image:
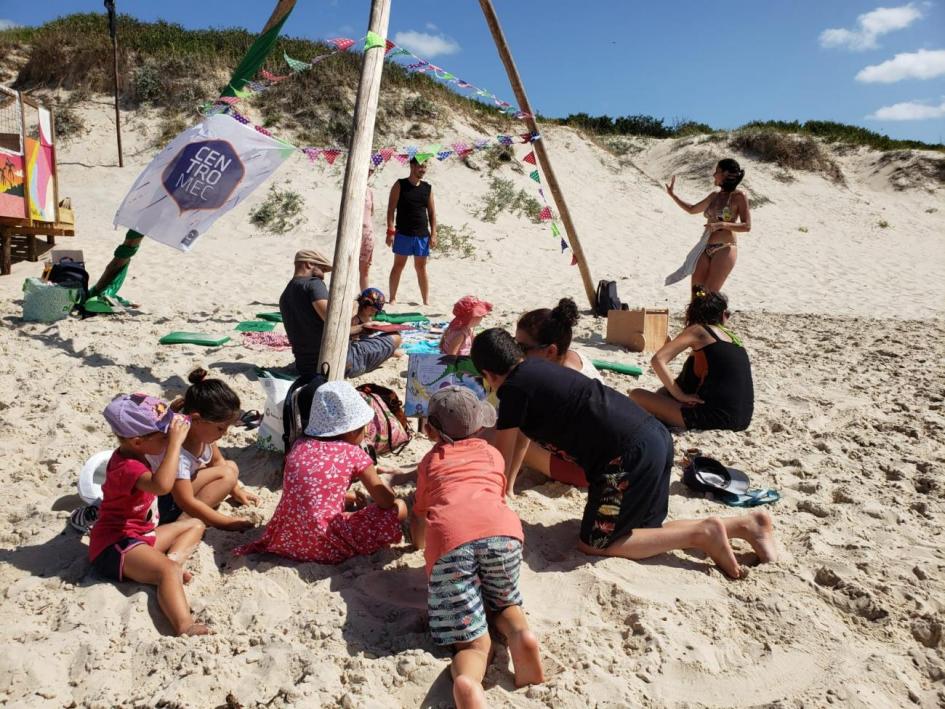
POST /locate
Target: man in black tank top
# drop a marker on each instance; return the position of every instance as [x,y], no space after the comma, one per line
[413,232]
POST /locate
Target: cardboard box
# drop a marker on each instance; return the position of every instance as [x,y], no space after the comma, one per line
[639,330]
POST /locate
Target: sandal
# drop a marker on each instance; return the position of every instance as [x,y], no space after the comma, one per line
[251,419]
[82,519]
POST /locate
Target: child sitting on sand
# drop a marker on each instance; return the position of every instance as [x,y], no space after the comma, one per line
[204,477]
[124,543]
[310,522]
[467,314]
[473,545]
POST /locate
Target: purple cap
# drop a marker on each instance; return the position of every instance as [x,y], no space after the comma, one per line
[132,415]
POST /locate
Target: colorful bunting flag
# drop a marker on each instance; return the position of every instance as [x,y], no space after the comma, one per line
[411,150]
[377,159]
[535,176]
[331,155]
[545,214]
[386,153]
[573,259]
[530,158]
[504,139]
[311,153]
[443,154]
[269,76]
[343,44]
[265,131]
[372,40]
[527,137]
[555,231]
[564,245]
[388,45]
[296,65]
[402,158]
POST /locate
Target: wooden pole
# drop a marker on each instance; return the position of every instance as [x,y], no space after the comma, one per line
[113,30]
[539,147]
[344,278]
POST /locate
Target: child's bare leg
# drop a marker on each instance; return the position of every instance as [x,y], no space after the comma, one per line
[468,668]
[757,529]
[523,646]
[213,484]
[179,540]
[662,406]
[146,564]
[708,535]
[538,459]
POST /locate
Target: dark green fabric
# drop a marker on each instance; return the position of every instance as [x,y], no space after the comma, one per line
[126,251]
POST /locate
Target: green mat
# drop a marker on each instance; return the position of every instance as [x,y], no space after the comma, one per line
[275,374]
[630,369]
[271,317]
[401,318]
[255,326]
[193,338]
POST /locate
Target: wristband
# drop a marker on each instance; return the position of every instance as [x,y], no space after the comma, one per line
[391,232]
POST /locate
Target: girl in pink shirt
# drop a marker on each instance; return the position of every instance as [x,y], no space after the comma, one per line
[467,314]
[472,544]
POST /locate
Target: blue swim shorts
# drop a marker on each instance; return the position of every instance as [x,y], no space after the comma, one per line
[411,245]
[465,581]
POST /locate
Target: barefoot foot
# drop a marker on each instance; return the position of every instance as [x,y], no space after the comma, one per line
[196,629]
[759,532]
[467,693]
[526,658]
[712,538]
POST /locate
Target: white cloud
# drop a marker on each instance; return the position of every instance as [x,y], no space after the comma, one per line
[870,26]
[8,24]
[909,111]
[924,64]
[432,27]
[426,45]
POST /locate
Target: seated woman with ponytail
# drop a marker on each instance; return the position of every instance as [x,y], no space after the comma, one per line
[546,334]
[714,391]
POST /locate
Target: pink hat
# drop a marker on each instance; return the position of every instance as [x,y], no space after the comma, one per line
[469,307]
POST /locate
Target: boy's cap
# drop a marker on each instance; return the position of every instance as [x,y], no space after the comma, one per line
[374,297]
[313,256]
[132,415]
[457,413]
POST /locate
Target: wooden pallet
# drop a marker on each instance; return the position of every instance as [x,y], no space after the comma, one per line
[48,229]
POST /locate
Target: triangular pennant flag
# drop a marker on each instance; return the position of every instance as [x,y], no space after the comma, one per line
[264,131]
[504,139]
[228,100]
[241,93]
[542,193]
[402,158]
[377,159]
[573,259]
[545,213]
[555,231]
[372,40]
[386,153]
[530,158]
[534,175]
[311,153]
[482,143]
[239,117]
[564,245]
[419,66]
[411,150]
[448,76]
[331,155]
[343,44]
[526,137]
[295,64]
[269,76]
[434,148]
[388,45]
[463,84]
[461,149]
[443,154]
[256,86]
[422,157]
[397,51]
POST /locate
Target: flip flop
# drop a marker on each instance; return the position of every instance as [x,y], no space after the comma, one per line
[752,498]
[82,519]
[251,419]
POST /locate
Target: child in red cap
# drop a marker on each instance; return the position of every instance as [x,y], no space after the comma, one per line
[467,314]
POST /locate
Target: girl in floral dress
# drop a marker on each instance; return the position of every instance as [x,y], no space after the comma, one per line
[310,522]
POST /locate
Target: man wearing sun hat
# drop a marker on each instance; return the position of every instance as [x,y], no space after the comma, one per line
[304,307]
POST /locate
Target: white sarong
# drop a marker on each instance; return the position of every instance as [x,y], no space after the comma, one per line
[689,265]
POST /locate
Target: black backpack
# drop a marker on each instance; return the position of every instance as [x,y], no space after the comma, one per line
[607,299]
[71,275]
[298,406]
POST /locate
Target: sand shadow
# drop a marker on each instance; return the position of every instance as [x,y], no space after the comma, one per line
[258,467]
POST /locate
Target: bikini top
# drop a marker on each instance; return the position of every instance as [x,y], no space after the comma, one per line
[714,214]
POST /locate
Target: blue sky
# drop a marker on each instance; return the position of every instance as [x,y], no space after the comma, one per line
[881,66]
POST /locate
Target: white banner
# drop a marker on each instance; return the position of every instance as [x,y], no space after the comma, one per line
[204,172]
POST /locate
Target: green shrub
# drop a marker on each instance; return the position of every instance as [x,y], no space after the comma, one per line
[790,152]
[280,212]
[420,106]
[450,241]
[502,197]
[883,224]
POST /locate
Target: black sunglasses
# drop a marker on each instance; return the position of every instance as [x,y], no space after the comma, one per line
[529,348]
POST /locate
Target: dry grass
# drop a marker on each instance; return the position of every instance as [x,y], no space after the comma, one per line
[788,151]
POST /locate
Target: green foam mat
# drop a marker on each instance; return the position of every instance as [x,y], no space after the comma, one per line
[631,369]
[193,338]
[271,317]
[255,326]
[401,318]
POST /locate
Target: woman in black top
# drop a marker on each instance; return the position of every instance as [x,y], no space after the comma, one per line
[626,454]
[714,391]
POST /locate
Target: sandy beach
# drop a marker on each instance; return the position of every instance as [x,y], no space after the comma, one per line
[842,317]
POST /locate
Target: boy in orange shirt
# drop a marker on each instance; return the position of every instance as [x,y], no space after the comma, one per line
[472,544]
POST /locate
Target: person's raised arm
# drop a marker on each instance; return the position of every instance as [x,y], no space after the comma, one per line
[161,480]
[685,206]
[391,209]
[431,213]
[667,353]
[512,444]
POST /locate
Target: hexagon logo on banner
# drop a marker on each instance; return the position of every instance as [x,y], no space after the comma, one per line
[203,175]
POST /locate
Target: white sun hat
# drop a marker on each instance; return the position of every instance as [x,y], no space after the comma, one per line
[92,477]
[337,408]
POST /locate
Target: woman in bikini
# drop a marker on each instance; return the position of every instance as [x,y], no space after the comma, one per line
[714,391]
[725,212]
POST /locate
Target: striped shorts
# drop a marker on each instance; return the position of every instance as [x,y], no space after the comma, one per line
[479,574]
